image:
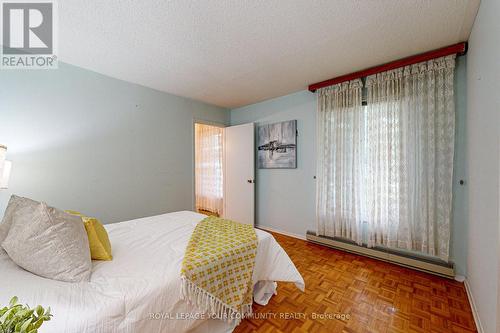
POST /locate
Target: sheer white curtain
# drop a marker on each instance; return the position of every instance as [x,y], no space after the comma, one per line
[411,130]
[208,168]
[339,171]
[400,186]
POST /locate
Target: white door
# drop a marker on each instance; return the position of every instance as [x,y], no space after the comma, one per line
[239,173]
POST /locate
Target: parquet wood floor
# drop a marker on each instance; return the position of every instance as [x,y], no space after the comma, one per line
[374,296]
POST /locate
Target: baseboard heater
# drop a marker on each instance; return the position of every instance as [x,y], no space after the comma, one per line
[424,264]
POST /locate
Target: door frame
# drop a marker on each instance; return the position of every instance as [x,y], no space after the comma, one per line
[193,158]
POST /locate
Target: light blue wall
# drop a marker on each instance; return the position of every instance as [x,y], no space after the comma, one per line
[285,199]
[84,141]
[460,224]
[483,165]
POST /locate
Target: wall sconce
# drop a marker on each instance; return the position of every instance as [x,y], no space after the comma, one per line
[4,180]
[3,152]
[5,168]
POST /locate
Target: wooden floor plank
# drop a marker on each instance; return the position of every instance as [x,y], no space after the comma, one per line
[349,293]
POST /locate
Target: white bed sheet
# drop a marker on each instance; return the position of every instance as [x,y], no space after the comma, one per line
[141,284]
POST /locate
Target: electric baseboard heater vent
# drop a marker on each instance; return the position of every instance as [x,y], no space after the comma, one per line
[424,264]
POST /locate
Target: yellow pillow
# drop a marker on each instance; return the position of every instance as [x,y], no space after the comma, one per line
[100,247]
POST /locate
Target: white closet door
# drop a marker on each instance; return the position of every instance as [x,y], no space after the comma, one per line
[239,173]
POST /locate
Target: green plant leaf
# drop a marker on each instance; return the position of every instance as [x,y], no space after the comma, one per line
[26,324]
[6,315]
[39,310]
[18,318]
[13,301]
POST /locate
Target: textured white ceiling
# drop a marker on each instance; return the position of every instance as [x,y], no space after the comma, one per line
[232,53]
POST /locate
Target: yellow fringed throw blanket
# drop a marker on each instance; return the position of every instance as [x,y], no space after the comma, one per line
[218,266]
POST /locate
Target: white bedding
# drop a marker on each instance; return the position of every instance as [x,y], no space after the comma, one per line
[141,284]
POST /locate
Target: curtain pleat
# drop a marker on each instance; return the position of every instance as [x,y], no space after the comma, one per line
[338,170]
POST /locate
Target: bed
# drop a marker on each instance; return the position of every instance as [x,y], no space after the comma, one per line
[139,291]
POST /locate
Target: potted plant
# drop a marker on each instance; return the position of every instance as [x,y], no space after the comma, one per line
[18,318]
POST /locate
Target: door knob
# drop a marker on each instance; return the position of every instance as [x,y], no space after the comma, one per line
[250,181]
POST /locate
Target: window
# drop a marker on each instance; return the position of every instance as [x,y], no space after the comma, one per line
[385,169]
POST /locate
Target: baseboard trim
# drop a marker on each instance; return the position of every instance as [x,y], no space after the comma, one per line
[286,233]
[384,255]
[473,306]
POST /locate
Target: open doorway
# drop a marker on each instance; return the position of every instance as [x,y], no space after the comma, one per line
[209,175]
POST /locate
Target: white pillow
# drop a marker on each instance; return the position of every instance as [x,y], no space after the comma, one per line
[15,203]
[48,242]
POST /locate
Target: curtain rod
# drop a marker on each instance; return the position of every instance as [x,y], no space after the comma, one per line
[460,49]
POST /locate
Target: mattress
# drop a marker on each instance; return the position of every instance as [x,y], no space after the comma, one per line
[139,291]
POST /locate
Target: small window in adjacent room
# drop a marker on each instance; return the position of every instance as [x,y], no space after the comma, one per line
[208,168]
